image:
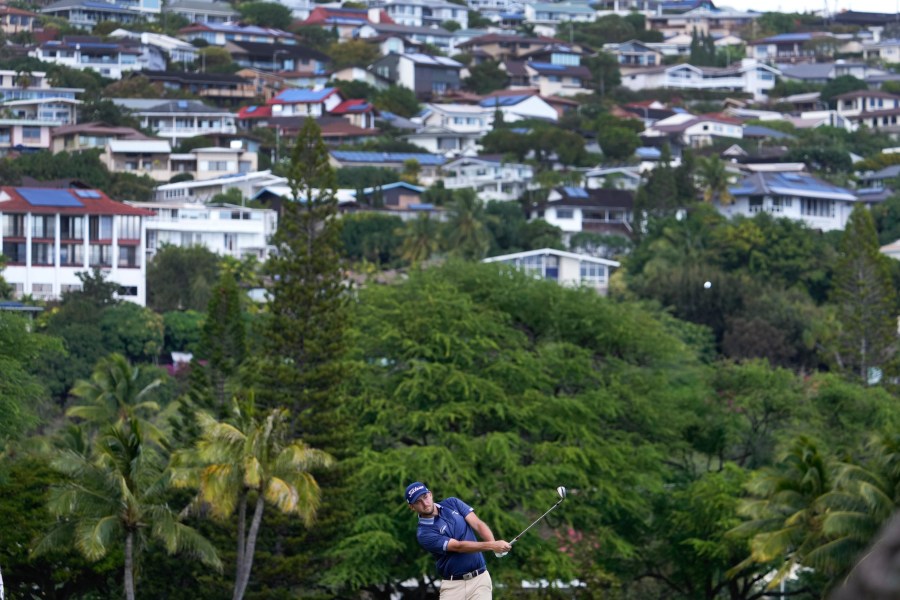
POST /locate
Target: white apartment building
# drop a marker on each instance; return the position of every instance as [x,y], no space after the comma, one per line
[204,190]
[490,177]
[110,59]
[176,120]
[155,159]
[749,76]
[226,229]
[48,236]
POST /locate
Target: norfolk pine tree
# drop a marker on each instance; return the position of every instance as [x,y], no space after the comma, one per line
[304,334]
[865,299]
[223,335]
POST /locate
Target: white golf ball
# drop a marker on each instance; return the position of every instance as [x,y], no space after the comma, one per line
[707,285]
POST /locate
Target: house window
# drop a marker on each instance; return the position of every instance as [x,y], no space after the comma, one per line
[128,256]
[129,228]
[41,254]
[71,255]
[816,207]
[43,226]
[127,290]
[533,265]
[42,288]
[565,213]
[31,134]
[101,227]
[439,87]
[13,225]
[101,255]
[14,252]
[756,204]
[593,273]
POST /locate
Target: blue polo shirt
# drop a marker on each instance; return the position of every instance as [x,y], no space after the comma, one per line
[434,533]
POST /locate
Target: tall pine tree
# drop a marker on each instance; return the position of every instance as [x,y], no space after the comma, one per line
[223,338]
[865,300]
[308,311]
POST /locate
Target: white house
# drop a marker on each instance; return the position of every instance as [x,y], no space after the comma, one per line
[749,76]
[110,59]
[490,177]
[179,119]
[576,210]
[48,236]
[685,129]
[565,268]
[204,190]
[425,13]
[155,159]
[227,230]
[798,196]
[517,105]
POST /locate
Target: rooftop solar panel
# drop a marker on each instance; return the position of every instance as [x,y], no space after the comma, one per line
[49,197]
[575,192]
[87,194]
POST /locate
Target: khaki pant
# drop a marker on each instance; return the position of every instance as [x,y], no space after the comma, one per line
[477,588]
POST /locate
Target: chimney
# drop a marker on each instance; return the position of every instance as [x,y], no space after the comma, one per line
[374,15]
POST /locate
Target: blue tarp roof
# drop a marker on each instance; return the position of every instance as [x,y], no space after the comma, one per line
[648,152]
[303,95]
[422,158]
[504,100]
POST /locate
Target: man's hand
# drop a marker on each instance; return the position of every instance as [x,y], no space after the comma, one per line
[500,546]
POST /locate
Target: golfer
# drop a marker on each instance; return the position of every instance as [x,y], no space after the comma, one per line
[447,529]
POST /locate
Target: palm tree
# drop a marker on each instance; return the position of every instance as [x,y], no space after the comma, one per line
[865,497]
[116,495]
[787,510]
[114,394]
[420,240]
[465,234]
[714,179]
[245,463]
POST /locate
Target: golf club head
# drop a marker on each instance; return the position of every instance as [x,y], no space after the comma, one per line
[561,492]
[500,554]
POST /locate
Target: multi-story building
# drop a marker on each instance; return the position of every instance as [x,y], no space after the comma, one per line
[48,236]
[226,229]
[222,89]
[491,177]
[422,13]
[218,34]
[157,48]
[205,190]
[155,159]
[797,196]
[749,76]
[62,110]
[16,20]
[90,136]
[110,59]
[202,11]
[427,76]
[31,85]
[86,14]
[714,22]
[176,120]
[25,135]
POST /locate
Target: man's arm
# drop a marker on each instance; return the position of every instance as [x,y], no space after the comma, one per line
[485,533]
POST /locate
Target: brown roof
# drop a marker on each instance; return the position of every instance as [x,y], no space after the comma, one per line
[867,94]
[101,128]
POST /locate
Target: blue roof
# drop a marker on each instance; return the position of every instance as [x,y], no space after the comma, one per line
[788,37]
[762,131]
[512,16]
[648,152]
[422,158]
[49,197]
[303,95]
[575,192]
[542,66]
[421,207]
[504,100]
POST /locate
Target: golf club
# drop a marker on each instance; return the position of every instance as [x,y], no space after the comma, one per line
[561,492]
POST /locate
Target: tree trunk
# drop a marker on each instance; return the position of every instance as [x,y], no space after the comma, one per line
[241,541]
[129,566]
[249,548]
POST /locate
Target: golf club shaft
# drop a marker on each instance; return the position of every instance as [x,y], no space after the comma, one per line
[536,521]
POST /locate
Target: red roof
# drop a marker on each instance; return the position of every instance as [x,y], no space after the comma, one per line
[255,112]
[77,202]
[353,106]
